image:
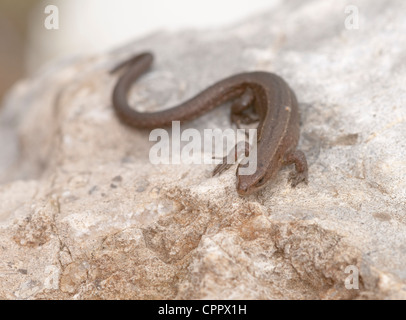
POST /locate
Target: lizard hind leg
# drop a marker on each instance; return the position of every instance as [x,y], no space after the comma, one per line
[240,106]
[238,116]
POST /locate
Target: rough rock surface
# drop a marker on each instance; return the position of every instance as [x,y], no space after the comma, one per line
[85,215]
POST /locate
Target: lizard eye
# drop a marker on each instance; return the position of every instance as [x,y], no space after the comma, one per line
[260,181]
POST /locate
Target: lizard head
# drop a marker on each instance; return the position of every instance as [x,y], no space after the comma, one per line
[249,184]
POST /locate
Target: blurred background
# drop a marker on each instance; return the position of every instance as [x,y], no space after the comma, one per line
[91,26]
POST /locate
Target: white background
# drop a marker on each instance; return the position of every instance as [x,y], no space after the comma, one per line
[91,26]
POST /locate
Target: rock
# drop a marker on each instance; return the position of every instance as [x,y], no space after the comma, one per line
[84,214]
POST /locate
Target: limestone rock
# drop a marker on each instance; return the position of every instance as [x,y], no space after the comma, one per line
[84,214]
